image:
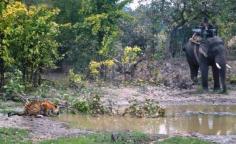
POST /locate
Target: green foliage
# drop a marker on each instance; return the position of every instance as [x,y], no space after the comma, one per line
[3,5]
[130,55]
[13,136]
[96,105]
[29,38]
[92,105]
[81,106]
[43,90]
[97,68]
[94,28]
[14,84]
[148,108]
[75,79]
[94,68]
[183,140]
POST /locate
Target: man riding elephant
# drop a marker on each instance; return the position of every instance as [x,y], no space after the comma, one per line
[206,49]
[207,30]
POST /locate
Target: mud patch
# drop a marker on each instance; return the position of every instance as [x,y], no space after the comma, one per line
[166,96]
[41,128]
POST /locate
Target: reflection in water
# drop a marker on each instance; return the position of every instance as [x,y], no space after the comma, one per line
[210,122]
[162,129]
[204,124]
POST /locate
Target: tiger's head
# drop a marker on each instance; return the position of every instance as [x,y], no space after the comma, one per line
[56,110]
[51,107]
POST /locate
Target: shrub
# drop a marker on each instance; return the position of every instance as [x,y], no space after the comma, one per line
[148,108]
[81,106]
[92,105]
[101,67]
[14,85]
[75,79]
[130,54]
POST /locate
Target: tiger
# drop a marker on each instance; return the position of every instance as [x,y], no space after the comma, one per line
[38,109]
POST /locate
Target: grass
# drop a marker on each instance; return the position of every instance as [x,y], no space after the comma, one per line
[123,138]
[119,138]
[13,136]
[183,140]
[20,136]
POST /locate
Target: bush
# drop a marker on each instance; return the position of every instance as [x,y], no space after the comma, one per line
[92,105]
[75,80]
[148,108]
[100,68]
[81,106]
[43,90]
[96,106]
[14,85]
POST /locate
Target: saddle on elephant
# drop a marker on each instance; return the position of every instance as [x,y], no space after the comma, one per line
[196,39]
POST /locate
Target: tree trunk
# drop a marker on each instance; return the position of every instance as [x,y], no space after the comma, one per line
[167,50]
[2,70]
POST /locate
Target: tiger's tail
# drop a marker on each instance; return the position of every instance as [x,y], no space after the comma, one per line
[15,113]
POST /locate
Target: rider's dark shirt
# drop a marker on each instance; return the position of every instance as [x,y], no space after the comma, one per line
[208,29]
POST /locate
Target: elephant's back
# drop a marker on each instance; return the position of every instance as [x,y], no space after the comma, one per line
[215,40]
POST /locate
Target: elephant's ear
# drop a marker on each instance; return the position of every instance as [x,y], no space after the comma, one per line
[203,49]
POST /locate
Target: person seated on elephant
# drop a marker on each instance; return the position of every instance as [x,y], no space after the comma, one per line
[207,30]
[207,27]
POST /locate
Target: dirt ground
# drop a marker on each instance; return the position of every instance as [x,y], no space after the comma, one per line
[40,128]
[167,96]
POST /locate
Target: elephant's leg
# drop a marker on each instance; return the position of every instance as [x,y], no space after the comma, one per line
[194,73]
[222,78]
[216,75]
[204,74]
[220,60]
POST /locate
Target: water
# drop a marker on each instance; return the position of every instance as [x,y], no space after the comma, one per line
[203,119]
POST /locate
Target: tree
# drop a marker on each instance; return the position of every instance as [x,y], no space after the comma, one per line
[92,31]
[2,66]
[29,39]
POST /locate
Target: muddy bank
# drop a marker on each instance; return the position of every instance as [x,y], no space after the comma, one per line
[166,96]
[41,128]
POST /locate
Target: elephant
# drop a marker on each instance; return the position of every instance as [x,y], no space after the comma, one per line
[210,52]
